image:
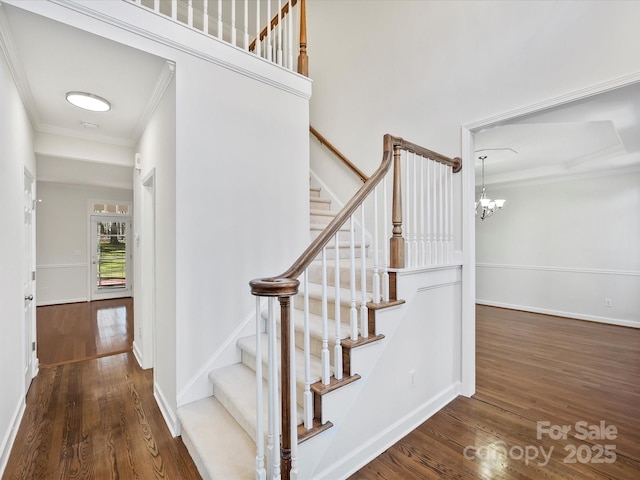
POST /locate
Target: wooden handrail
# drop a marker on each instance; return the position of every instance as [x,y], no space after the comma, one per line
[336,152]
[274,23]
[286,283]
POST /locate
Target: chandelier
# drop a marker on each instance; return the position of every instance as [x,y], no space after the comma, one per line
[485,207]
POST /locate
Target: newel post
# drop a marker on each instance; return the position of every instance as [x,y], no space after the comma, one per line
[285,391]
[396,244]
[284,289]
[303,59]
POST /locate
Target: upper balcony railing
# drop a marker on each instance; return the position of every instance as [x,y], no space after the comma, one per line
[272,29]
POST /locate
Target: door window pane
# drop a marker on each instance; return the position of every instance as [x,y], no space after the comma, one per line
[111,255]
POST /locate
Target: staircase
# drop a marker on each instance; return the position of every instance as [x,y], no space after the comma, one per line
[220,431]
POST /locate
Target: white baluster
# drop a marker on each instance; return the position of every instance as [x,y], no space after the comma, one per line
[279,51]
[364,311]
[414,210]
[353,318]
[406,207]
[441,215]
[190,13]
[290,38]
[269,52]
[434,216]
[258,43]
[293,404]
[233,23]
[156,5]
[376,234]
[421,201]
[450,170]
[308,397]
[245,24]
[220,32]
[385,229]
[174,9]
[445,256]
[326,363]
[337,349]
[205,16]
[261,473]
[427,200]
[272,448]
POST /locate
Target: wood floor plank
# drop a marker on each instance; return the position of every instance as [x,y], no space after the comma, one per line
[531,368]
[96,419]
[81,331]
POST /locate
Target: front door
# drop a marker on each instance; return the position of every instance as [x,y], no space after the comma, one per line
[110,257]
[28,327]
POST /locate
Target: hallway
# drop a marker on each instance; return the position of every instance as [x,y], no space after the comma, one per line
[90,410]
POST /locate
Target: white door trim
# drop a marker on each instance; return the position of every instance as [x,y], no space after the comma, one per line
[468,211]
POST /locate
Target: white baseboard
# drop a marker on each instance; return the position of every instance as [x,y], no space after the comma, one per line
[62,301]
[558,313]
[168,414]
[374,447]
[138,354]
[10,435]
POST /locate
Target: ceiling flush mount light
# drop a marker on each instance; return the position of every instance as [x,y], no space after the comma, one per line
[485,207]
[88,101]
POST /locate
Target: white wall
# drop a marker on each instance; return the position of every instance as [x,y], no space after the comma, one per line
[16,154]
[563,248]
[62,226]
[421,70]
[241,179]
[157,148]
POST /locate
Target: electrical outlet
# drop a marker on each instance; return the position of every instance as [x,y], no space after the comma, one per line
[608,302]
[412,378]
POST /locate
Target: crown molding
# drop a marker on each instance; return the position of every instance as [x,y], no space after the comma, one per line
[164,79]
[8,47]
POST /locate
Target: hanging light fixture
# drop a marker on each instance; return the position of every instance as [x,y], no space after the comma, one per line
[485,207]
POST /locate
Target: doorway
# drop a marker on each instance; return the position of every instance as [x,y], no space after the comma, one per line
[110,257]
[29,277]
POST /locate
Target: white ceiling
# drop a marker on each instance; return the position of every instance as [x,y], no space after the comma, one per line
[49,59]
[588,136]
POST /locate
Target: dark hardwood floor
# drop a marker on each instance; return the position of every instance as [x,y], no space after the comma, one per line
[97,419]
[533,369]
[74,332]
[91,414]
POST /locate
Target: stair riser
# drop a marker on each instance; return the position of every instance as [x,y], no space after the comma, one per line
[250,361]
[343,235]
[321,219]
[315,276]
[314,191]
[345,252]
[317,203]
[315,306]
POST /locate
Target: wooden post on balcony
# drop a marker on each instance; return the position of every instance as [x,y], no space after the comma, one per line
[396,244]
[285,391]
[303,59]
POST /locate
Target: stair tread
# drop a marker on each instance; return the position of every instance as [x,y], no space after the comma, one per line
[235,388]
[218,444]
